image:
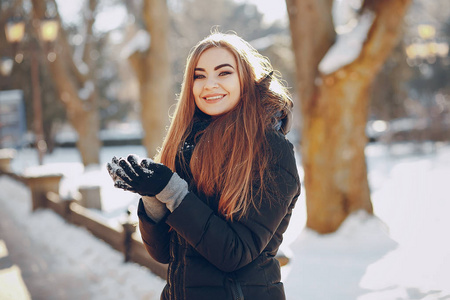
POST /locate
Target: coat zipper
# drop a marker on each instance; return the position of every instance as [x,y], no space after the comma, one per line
[236,290]
[183,267]
[170,271]
[174,267]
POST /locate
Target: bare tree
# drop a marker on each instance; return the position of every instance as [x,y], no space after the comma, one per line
[334,104]
[152,67]
[75,84]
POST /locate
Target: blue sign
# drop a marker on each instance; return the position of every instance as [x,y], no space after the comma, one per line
[12,119]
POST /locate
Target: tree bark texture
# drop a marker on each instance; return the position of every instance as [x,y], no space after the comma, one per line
[153,71]
[81,113]
[334,107]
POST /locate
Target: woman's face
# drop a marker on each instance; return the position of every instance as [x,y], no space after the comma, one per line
[216,88]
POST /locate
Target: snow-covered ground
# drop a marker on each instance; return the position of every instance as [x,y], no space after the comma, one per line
[401,253]
[70,256]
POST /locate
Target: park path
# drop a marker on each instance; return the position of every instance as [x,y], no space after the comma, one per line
[27,269]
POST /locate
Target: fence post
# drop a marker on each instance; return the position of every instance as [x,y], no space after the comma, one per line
[6,155]
[40,185]
[91,196]
[128,229]
[67,210]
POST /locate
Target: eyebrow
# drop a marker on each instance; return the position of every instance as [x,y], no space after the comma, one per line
[216,68]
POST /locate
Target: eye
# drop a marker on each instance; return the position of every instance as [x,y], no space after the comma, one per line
[225,73]
[198,76]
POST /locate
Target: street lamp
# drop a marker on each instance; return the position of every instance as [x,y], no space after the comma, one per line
[428,48]
[426,31]
[15,30]
[48,32]
[6,65]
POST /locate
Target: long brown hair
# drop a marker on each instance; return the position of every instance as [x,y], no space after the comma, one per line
[231,158]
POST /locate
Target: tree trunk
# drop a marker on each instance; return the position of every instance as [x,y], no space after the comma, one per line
[82,113]
[86,123]
[153,70]
[334,108]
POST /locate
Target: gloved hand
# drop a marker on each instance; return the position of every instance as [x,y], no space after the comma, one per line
[149,179]
[146,178]
[113,168]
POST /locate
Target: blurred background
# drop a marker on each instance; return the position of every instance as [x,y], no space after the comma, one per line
[92,74]
[83,80]
[96,40]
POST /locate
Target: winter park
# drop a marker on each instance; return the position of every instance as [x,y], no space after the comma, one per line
[82,82]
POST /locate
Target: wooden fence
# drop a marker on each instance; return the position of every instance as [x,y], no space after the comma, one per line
[45,194]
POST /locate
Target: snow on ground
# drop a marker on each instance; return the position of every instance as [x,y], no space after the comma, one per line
[65,249]
[401,253]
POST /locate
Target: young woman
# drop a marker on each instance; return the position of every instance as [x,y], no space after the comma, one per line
[219,197]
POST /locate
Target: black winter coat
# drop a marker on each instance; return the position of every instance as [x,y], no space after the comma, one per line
[212,258]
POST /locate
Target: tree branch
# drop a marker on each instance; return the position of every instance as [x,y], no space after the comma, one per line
[383,34]
[89,22]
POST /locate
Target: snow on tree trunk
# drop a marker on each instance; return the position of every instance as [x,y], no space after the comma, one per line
[334,107]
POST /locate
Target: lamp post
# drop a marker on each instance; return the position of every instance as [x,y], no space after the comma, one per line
[428,48]
[48,31]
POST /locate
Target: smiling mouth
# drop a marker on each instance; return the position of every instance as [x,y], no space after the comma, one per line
[214,98]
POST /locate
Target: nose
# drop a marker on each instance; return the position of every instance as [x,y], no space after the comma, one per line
[211,83]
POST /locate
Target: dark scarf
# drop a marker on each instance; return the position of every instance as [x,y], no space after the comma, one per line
[201,122]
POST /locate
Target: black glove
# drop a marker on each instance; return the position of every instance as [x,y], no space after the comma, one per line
[146,178]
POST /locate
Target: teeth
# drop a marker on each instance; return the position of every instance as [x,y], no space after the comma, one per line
[213,98]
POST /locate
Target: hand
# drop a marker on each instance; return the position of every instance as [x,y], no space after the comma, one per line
[114,170]
[146,178]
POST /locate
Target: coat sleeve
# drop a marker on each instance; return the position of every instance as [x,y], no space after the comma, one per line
[155,236]
[230,245]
